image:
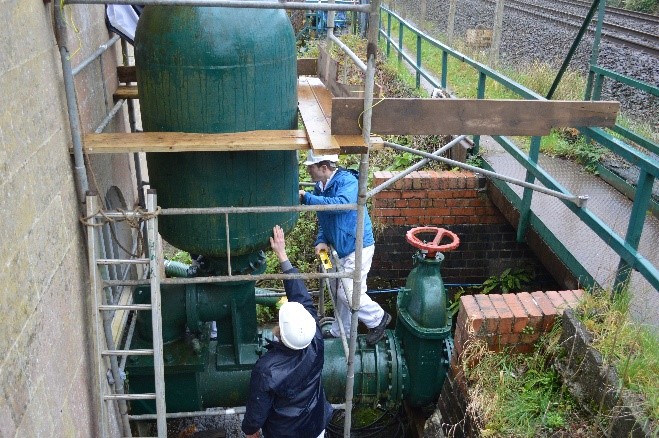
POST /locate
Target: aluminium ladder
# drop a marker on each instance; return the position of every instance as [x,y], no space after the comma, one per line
[104,313]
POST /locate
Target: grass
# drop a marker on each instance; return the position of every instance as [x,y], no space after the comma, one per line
[632,348]
[519,395]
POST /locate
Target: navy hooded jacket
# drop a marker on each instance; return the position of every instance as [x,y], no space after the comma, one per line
[286,395]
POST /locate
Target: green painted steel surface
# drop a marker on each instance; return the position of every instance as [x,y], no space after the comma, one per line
[231,305]
[380,371]
[218,374]
[423,328]
[211,70]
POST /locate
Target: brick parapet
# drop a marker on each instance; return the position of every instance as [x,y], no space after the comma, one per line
[433,198]
[510,321]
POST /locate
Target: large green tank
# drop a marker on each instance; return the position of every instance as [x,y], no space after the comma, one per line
[216,70]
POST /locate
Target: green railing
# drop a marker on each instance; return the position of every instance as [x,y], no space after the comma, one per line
[625,247]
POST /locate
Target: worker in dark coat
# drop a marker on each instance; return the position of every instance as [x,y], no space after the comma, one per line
[286,395]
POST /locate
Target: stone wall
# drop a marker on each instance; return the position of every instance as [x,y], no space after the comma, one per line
[458,202]
[48,377]
[597,386]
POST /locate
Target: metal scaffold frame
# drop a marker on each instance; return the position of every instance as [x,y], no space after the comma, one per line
[105,308]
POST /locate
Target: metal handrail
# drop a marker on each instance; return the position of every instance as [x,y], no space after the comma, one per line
[626,247]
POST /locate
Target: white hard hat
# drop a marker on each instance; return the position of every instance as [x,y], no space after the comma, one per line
[315,159]
[296,325]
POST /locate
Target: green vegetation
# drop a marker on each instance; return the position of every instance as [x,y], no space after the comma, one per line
[645,6]
[513,395]
[180,256]
[510,280]
[265,314]
[633,349]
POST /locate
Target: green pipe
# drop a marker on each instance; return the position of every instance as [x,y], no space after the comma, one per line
[177,269]
[183,270]
[267,300]
[211,377]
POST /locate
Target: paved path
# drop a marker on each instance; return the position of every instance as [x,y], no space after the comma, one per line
[605,202]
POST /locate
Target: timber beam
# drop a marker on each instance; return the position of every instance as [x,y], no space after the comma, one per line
[124,142]
[470,116]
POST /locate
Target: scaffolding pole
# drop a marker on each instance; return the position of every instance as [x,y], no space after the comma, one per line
[369,85]
[579,201]
[156,315]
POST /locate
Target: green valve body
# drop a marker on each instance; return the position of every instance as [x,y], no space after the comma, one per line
[423,328]
[219,70]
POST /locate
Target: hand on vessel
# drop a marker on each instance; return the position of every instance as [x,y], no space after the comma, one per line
[278,244]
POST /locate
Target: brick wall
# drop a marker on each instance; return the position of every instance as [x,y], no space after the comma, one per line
[511,321]
[441,198]
[456,201]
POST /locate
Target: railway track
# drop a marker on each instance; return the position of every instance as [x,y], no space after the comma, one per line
[647,21]
[539,36]
[640,40]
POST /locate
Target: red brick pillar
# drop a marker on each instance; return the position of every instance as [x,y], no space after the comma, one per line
[512,321]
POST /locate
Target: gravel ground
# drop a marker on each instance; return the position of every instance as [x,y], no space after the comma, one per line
[526,40]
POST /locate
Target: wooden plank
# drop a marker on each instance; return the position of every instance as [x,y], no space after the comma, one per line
[315,122]
[125,92]
[190,142]
[305,67]
[470,116]
[126,73]
[227,142]
[323,97]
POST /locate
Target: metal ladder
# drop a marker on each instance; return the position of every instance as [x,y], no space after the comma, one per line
[105,345]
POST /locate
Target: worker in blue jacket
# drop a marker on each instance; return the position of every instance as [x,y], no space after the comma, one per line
[286,395]
[335,186]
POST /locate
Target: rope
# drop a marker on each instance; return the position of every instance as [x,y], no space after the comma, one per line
[76,32]
[134,220]
[359,118]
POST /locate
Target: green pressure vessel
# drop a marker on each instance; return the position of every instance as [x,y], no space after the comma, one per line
[219,70]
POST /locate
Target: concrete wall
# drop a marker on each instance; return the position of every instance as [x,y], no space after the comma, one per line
[48,382]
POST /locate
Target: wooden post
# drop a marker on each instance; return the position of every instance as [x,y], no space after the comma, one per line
[496,37]
[451,20]
[423,6]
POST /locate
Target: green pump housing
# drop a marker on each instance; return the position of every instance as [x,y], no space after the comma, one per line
[215,70]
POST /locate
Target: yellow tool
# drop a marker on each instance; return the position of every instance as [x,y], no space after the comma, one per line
[325,260]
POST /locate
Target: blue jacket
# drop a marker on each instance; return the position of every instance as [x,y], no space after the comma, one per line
[286,395]
[339,228]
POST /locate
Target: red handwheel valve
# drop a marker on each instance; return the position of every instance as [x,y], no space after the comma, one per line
[433,247]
